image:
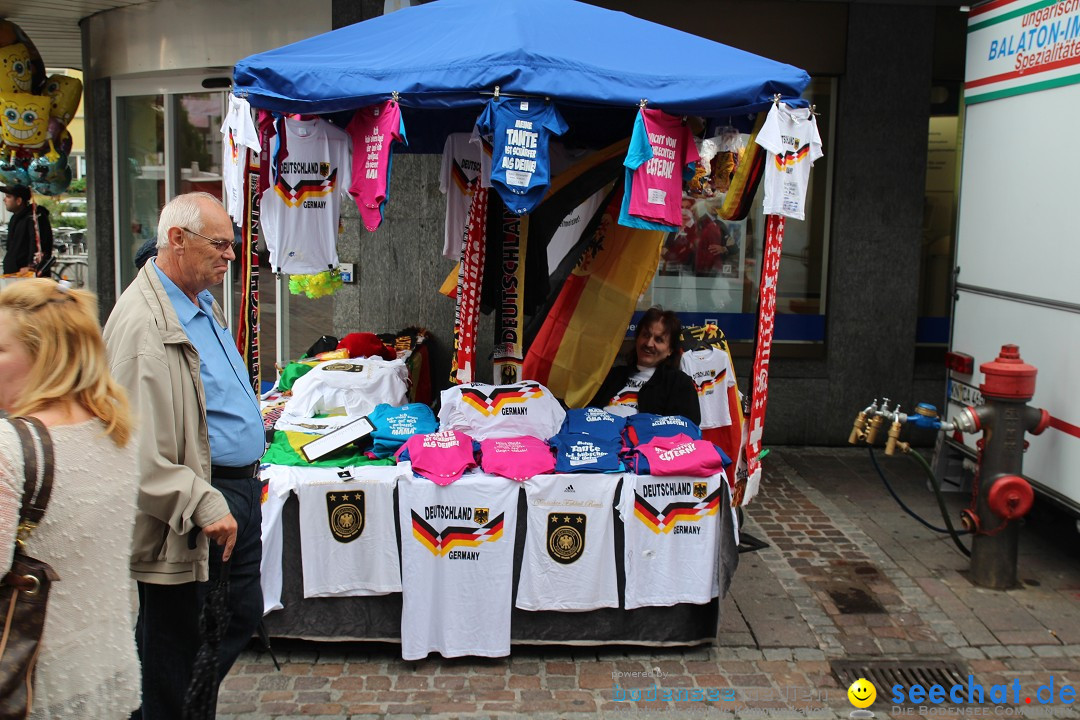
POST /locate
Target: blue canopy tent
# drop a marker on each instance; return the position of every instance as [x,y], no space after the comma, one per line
[447,54]
[444,60]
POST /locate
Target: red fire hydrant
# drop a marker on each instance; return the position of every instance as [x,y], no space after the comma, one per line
[1003,495]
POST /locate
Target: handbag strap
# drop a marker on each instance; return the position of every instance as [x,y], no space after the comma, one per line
[35,496]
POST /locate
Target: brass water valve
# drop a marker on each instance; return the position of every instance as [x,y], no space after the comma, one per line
[858,431]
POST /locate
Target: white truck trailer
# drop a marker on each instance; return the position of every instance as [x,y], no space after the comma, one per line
[1018,236]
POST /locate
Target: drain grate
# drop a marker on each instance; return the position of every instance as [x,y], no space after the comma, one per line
[886,673]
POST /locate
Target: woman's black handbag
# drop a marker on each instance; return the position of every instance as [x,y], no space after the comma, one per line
[24,591]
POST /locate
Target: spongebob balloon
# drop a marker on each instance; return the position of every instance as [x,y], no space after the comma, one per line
[65,93]
[24,119]
[16,72]
[34,114]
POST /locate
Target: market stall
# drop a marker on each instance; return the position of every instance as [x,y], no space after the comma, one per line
[531,71]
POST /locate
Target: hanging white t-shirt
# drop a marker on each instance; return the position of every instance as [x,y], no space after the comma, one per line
[348,540]
[569,561]
[348,387]
[485,147]
[710,369]
[460,167]
[791,137]
[280,484]
[625,402]
[498,411]
[238,134]
[457,563]
[672,530]
[301,208]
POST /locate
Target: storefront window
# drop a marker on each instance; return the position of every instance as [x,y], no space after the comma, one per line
[140,160]
[709,271]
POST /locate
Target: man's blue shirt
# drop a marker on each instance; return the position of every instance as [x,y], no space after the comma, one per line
[233,420]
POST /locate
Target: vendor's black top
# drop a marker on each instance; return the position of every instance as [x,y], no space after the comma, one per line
[669,391]
[21,244]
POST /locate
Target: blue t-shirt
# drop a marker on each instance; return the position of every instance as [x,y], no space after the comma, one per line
[644,427]
[520,130]
[596,423]
[640,152]
[395,425]
[584,453]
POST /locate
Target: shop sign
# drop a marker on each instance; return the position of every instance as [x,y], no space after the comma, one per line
[1021,46]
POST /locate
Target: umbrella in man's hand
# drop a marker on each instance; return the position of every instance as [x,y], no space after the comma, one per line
[200,701]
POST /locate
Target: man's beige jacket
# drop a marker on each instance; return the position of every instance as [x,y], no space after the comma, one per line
[151,356]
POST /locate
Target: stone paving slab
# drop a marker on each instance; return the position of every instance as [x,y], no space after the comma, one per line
[832,529]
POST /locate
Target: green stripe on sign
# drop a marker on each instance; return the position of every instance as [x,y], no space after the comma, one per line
[1022,89]
[1011,14]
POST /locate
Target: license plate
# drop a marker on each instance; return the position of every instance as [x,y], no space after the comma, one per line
[963,394]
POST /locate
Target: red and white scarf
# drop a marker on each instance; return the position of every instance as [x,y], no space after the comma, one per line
[470,276]
[770,274]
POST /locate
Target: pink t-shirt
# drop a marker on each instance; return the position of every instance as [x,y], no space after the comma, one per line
[679,455]
[656,194]
[442,457]
[517,458]
[374,130]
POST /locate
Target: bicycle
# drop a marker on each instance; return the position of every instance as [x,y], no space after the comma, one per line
[70,257]
[74,270]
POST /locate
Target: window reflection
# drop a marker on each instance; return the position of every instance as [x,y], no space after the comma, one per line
[140,152]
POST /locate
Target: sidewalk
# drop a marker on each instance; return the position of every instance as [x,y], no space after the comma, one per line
[846,576]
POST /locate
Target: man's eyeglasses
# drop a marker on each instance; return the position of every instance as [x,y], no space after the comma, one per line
[219,245]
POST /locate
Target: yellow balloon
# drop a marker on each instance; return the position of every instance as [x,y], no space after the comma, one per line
[16,74]
[66,92]
[24,119]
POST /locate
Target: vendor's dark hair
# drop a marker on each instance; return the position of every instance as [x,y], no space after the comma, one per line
[672,326]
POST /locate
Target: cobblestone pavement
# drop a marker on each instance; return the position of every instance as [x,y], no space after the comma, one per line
[846,575]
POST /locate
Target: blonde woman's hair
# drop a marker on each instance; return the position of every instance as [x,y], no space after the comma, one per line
[58,327]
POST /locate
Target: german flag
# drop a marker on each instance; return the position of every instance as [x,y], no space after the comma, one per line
[294,196]
[584,329]
[440,543]
[675,512]
[491,405]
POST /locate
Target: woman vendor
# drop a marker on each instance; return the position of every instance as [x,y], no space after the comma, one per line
[651,380]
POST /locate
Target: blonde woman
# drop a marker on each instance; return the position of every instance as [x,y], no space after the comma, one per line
[53,367]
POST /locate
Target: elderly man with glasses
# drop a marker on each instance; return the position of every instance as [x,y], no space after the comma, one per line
[200,440]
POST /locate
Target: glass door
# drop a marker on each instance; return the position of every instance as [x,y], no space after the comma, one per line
[140,176]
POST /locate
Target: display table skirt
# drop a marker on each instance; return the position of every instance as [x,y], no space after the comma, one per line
[378,618]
